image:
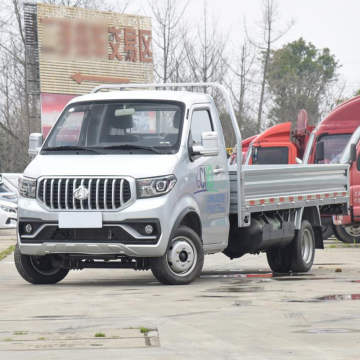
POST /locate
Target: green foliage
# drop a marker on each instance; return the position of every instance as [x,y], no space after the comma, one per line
[143,329]
[298,77]
[100,334]
[8,251]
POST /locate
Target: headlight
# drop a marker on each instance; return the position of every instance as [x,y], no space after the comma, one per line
[27,187]
[8,209]
[152,187]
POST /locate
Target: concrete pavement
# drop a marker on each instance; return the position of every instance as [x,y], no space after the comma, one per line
[236,310]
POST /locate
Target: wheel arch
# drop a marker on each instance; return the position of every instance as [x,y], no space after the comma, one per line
[190,218]
[312,215]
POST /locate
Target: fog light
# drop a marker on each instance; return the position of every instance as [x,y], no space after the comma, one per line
[149,229]
[28,228]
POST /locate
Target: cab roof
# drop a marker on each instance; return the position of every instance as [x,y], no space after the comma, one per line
[189,98]
[344,118]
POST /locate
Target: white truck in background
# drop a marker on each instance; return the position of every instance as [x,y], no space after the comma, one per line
[160,198]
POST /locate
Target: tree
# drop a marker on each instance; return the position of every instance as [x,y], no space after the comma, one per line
[270,16]
[239,81]
[299,76]
[168,30]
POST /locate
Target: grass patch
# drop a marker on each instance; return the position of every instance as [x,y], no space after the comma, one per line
[41,338]
[8,339]
[100,334]
[143,329]
[333,246]
[8,251]
[20,332]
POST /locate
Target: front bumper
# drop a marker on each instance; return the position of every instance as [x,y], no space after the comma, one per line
[120,234]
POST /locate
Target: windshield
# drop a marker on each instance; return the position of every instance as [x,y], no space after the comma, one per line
[117,127]
[355,138]
[270,155]
[333,147]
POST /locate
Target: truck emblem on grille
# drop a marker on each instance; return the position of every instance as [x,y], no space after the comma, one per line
[81,193]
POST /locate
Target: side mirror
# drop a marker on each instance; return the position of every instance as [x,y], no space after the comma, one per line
[353,152]
[35,143]
[209,145]
[320,151]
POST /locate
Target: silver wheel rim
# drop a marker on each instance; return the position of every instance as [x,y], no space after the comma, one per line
[35,261]
[307,246]
[181,256]
[353,230]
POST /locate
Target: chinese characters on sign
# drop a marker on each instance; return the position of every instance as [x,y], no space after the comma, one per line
[131,40]
[88,39]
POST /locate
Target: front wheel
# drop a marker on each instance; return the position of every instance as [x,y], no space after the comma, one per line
[302,248]
[183,261]
[348,233]
[38,269]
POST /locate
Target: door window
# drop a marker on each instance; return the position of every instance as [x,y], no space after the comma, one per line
[201,122]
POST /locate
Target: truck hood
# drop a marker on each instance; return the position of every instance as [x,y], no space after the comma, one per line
[136,166]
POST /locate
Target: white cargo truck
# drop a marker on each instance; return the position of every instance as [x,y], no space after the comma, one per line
[139,179]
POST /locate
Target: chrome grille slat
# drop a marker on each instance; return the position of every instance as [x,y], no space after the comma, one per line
[44,199]
[82,201]
[67,194]
[97,193]
[121,192]
[89,198]
[113,194]
[74,200]
[105,194]
[52,194]
[59,194]
[109,194]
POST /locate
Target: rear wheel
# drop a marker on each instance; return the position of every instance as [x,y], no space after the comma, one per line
[183,261]
[348,234]
[327,232]
[38,269]
[278,260]
[302,249]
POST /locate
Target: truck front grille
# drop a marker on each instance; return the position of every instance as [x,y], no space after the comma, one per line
[103,193]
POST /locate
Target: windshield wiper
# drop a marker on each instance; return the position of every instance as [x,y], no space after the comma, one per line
[133,147]
[70,147]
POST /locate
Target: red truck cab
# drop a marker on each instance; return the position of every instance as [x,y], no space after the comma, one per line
[335,131]
[280,144]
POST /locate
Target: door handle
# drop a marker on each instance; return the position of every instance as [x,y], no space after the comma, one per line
[218,170]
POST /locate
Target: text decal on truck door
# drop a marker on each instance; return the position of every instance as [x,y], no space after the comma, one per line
[205,179]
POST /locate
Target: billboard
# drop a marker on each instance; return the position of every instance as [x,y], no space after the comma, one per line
[76,49]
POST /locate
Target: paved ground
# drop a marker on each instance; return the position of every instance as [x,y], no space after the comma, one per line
[7,238]
[236,310]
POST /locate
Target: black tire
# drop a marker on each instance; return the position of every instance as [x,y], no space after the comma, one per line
[334,229]
[278,260]
[343,235]
[167,268]
[327,232]
[302,262]
[28,271]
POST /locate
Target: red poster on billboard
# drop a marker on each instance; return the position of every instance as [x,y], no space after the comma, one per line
[51,107]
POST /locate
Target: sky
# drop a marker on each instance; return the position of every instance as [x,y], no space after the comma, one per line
[325,23]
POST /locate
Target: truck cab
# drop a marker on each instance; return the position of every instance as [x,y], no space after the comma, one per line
[280,144]
[327,145]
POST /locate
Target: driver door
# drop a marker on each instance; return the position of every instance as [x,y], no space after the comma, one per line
[209,178]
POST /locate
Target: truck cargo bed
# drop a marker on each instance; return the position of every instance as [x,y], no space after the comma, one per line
[271,187]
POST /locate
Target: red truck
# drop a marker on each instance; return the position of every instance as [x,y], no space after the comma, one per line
[335,140]
[280,144]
